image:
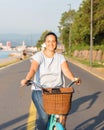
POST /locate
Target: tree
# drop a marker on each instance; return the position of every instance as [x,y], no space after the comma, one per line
[99,21]
[80,27]
[41,40]
[65,26]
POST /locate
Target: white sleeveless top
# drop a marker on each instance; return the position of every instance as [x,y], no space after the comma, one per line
[49,73]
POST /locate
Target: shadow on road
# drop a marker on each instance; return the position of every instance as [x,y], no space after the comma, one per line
[78,102]
[94,123]
[14,121]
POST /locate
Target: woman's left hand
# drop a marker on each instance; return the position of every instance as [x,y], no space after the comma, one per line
[77,80]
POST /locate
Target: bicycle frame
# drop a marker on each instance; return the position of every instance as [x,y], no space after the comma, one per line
[54,123]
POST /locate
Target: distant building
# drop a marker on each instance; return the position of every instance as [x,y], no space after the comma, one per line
[60,48]
[32,49]
[22,47]
[6,47]
[8,44]
[1,45]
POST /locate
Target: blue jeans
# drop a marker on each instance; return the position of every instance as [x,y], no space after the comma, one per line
[42,120]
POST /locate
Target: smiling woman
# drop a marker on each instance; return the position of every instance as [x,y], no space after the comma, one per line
[48,69]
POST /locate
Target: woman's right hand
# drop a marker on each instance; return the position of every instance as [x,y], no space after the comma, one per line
[23,82]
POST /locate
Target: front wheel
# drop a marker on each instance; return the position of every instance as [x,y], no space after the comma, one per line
[58,126]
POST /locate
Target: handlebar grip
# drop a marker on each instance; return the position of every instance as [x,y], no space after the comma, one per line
[74,81]
[29,82]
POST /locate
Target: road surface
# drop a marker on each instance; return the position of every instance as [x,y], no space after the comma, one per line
[87,111]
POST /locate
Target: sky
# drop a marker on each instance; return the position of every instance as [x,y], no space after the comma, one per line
[33,16]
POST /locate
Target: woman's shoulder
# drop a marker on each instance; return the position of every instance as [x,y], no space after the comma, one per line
[60,57]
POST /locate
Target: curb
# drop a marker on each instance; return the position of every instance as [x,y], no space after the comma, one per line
[91,70]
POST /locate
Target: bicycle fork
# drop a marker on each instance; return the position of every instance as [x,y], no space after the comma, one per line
[54,123]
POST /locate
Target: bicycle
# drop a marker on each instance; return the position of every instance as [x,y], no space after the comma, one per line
[54,123]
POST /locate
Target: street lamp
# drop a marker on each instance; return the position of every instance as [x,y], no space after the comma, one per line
[91,33]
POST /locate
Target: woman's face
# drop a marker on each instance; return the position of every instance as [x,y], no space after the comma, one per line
[50,42]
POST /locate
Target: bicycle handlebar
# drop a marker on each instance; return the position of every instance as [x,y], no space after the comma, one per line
[30,82]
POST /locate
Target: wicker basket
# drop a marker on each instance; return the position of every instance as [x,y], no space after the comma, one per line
[57,101]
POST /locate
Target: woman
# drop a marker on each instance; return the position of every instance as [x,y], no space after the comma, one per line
[48,68]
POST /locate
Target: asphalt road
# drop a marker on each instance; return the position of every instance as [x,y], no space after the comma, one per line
[14,101]
[87,111]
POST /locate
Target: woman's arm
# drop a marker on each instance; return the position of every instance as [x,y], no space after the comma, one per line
[66,70]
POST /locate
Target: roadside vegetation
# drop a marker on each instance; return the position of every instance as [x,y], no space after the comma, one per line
[86,62]
[9,63]
[74,29]
[75,25]
[15,60]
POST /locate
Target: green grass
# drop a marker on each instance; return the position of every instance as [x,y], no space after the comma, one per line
[87,62]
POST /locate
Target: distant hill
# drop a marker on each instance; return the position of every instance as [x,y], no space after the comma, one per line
[17,39]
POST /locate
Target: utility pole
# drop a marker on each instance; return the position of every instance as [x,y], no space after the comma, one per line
[91,33]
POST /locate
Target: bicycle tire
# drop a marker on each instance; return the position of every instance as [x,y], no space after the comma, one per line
[58,126]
